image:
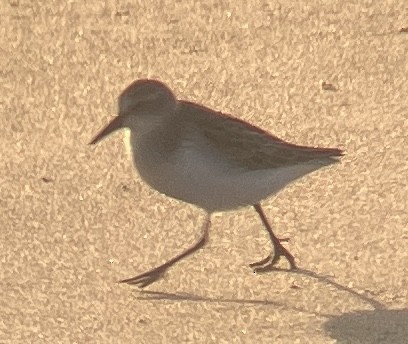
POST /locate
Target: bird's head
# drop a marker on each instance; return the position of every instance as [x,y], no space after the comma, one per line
[143,105]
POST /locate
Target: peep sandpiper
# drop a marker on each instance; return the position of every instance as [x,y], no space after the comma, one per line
[207,158]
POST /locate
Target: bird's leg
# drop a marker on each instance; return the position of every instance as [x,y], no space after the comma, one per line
[279,250]
[155,274]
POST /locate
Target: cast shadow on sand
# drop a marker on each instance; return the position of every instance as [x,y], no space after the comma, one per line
[379,325]
[369,327]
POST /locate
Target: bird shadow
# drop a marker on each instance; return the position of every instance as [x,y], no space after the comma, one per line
[328,280]
[157,295]
[164,296]
[379,325]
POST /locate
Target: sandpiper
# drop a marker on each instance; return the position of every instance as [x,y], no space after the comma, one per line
[209,159]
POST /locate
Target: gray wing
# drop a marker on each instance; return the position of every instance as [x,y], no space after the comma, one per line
[249,146]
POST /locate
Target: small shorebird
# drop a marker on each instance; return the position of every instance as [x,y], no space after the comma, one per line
[207,158]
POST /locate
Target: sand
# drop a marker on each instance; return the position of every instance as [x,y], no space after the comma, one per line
[76,218]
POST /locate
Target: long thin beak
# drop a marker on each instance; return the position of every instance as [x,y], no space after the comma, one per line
[115,124]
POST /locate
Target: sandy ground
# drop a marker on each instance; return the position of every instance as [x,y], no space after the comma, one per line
[76,218]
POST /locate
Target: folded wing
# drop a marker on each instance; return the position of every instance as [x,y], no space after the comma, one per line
[249,146]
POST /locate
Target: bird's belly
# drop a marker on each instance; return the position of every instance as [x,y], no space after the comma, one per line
[207,179]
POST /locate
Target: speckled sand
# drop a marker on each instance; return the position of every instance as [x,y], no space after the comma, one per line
[76,218]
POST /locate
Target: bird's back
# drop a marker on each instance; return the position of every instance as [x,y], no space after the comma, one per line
[249,146]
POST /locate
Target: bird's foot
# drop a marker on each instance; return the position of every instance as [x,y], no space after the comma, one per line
[147,278]
[261,262]
[269,262]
